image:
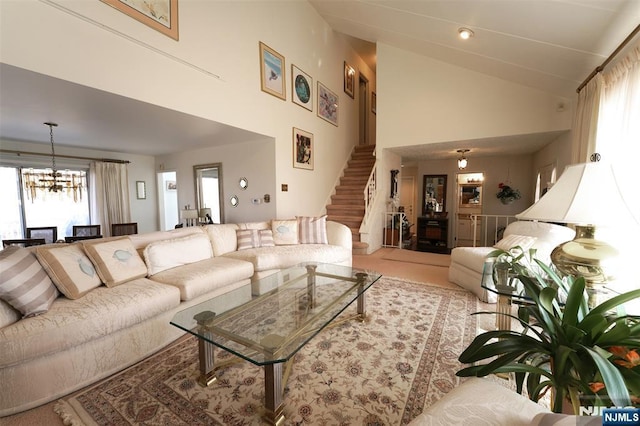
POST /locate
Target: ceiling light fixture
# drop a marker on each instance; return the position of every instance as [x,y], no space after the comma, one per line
[462,161]
[54,181]
[465,33]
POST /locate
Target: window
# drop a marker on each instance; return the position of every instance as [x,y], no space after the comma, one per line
[45,209]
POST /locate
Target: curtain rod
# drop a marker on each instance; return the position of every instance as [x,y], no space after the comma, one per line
[606,62]
[75,157]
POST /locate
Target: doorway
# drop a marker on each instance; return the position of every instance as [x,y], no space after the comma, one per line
[168,200]
[363,116]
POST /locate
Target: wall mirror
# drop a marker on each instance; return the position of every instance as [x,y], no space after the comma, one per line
[234,201]
[434,195]
[244,183]
[470,195]
[208,180]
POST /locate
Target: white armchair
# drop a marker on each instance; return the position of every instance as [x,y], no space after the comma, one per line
[467,263]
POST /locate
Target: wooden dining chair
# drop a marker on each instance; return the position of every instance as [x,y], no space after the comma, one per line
[49,233]
[23,242]
[86,230]
[124,229]
[75,238]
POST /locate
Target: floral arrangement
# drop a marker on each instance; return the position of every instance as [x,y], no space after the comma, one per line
[507,194]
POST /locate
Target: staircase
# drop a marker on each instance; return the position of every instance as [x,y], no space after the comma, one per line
[347,205]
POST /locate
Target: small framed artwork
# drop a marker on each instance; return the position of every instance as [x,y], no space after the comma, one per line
[327,104]
[171,185]
[301,88]
[349,79]
[141,190]
[374,102]
[303,154]
[272,72]
[161,15]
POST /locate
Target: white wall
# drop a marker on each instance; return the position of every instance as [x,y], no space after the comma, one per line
[106,49]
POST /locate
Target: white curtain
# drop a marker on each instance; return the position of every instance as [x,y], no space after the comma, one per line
[618,136]
[585,122]
[109,194]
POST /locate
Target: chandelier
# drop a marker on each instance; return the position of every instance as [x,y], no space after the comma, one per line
[46,181]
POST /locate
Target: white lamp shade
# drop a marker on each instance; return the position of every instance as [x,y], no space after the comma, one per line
[585,194]
[189,214]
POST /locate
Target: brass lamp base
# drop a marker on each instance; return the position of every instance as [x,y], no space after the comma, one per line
[586,257]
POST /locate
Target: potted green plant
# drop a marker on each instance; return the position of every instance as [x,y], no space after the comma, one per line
[577,352]
[507,194]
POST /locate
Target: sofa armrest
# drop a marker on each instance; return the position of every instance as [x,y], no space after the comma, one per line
[339,235]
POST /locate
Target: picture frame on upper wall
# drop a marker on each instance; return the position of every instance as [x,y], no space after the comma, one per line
[349,80]
[303,153]
[301,88]
[327,104]
[374,102]
[161,15]
[272,72]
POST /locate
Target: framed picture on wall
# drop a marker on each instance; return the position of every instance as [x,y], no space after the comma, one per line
[161,15]
[171,185]
[272,72]
[303,154]
[327,104]
[349,79]
[301,88]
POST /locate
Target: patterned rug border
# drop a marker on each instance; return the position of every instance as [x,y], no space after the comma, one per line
[422,393]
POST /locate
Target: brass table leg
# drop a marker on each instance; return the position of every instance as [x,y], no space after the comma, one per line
[273,394]
[503,308]
[361,308]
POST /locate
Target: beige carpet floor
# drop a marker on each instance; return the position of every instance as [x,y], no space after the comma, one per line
[411,256]
[45,416]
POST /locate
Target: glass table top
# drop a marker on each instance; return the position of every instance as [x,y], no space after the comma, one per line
[272,327]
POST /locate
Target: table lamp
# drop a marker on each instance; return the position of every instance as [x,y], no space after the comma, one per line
[586,195]
[189,216]
[205,215]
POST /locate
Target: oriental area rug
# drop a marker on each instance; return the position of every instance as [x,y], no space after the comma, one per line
[383,371]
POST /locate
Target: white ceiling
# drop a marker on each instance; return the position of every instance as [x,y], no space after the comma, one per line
[548,44]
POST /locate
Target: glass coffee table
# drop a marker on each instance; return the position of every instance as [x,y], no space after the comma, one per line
[271,328]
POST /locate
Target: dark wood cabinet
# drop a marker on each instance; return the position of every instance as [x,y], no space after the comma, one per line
[432,234]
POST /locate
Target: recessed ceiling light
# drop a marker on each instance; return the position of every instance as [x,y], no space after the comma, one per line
[465,33]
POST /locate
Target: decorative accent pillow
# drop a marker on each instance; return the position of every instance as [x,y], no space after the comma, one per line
[69,268]
[24,284]
[254,238]
[285,232]
[247,238]
[171,253]
[513,240]
[116,261]
[266,238]
[312,230]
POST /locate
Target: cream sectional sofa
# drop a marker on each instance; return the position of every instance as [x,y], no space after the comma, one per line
[109,301]
[468,263]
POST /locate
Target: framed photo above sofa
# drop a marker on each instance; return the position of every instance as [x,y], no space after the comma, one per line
[301,88]
[272,72]
[349,79]
[303,154]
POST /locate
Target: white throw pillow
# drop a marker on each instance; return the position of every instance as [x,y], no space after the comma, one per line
[116,260]
[285,232]
[174,252]
[69,268]
[513,240]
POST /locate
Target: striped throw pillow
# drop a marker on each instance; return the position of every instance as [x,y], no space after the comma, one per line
[24,284]
[247,238]
[266,238]
[312,230]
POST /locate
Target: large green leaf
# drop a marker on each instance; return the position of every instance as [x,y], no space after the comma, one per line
[612,378]
[573,303]
[612,303]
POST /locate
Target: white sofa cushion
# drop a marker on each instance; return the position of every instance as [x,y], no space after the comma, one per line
[24,284]
[70,323]
[196,279]
[223,238]
[166,254]
[115,260]
[69,268]
[280,257]
[514,240]
[8,314]
[480,402]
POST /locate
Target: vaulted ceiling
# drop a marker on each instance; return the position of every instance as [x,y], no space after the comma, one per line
[551,45]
